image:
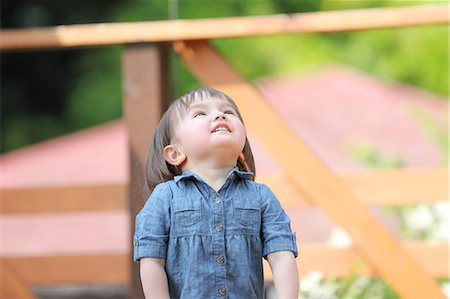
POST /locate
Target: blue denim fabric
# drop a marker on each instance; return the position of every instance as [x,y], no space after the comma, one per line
[213,242]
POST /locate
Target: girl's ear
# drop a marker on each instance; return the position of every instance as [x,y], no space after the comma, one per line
[173,156]
[241,159]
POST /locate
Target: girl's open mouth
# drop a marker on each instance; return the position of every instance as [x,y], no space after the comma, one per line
[221,127]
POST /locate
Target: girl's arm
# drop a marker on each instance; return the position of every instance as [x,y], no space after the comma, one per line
[285,275]
[154,278]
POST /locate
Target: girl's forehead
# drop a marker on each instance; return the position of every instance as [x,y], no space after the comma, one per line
[183,106]
[186,105]
[210,101]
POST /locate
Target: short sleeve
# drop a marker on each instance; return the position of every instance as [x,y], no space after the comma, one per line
[153,224]
[276,233]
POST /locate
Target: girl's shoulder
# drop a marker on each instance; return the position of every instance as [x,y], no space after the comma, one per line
[158,200]
[170,189]
[254,185]
[162,190]
[258,189]
[263,190]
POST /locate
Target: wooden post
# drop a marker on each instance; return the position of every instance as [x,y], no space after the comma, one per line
[310,175]
[146,97]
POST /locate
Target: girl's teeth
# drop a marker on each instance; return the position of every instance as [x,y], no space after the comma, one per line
[220,129]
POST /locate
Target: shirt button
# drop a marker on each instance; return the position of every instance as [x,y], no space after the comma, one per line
[219,228]
[217,199]
[222,291]
[220,260]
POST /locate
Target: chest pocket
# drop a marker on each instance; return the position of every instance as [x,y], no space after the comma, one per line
[187,211]
[246,213]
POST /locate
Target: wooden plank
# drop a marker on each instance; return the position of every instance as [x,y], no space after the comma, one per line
[114,268]
[374,187]
[160,31]
[72,269]
[399,186]
[11,286]
[340,262]
[380,248]
[63,199]
[380,187]
[145,79]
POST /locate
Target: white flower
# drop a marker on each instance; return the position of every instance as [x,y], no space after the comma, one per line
[339,238]
[441,209]
[311,281]
[419,218]
[442,231]
[446,289]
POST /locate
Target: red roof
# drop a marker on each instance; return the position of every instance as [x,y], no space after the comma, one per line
[93,156]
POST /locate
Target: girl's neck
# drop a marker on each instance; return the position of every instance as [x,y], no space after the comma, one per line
[213,176]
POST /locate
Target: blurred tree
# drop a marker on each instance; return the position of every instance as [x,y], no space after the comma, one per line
[36,85]
[290,6]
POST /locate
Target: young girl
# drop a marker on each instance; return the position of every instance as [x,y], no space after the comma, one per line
[207,225]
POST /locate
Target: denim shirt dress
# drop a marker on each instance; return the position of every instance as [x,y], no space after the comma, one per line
[213,242]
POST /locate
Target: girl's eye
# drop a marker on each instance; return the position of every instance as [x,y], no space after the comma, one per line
[229,112]
[199,113]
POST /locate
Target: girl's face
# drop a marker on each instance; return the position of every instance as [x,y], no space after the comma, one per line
[210,130]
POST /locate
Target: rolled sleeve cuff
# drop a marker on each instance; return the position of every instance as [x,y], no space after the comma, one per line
[286,244]
[148,250]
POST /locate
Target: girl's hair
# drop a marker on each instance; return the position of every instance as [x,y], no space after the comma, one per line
[157,169]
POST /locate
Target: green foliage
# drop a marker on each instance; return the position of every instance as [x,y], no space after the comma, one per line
[369,156]
[22,130]
[97,89]
[417,56]
[437,132]
[352,286]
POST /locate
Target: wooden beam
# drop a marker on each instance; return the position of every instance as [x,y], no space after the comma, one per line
[72,269]
[380,187]
[382,250]
[145,79]
[63,199]
[114,268]
[398,186]
[160,31]
[11,286]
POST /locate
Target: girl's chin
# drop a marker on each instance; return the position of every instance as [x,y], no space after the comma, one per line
[227,142]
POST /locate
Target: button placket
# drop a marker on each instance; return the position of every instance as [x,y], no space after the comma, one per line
[218,237]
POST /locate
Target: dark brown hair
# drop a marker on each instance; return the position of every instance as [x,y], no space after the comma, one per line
[157,169]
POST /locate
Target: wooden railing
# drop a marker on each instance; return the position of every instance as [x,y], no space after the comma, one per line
[306,180]
[203,29]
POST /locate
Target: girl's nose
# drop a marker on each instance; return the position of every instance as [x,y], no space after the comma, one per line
[219,115]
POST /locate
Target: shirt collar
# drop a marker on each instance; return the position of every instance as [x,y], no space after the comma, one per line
[234,172]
